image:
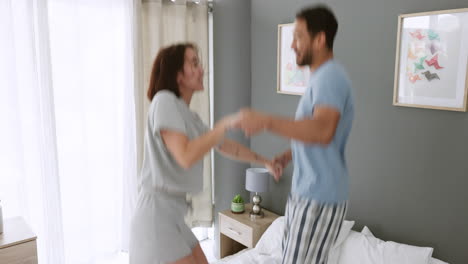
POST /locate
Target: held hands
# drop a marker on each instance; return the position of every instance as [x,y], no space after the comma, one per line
[277,165]
[275,169]
[231,121]
[252,122]
[282,160]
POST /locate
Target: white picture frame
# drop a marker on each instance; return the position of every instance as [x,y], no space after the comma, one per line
[291,79]
[431,65]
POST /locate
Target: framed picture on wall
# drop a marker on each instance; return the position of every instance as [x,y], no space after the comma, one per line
[431,68]
[291,79]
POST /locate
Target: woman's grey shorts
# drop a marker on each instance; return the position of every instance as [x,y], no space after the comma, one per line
[158,231]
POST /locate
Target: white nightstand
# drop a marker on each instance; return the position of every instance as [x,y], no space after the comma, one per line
[17,243]
[237,231]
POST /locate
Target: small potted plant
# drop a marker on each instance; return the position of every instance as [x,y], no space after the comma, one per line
[237,205]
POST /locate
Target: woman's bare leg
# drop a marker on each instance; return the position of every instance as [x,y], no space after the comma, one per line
[200,257]
[190,259]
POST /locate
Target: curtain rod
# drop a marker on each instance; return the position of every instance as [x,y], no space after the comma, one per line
[209,3]
[175,1]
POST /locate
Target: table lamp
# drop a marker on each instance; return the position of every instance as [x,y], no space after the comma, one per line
[257,180]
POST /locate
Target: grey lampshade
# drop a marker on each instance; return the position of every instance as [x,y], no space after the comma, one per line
[257,180]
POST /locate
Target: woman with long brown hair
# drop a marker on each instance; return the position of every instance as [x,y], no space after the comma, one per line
[176,141]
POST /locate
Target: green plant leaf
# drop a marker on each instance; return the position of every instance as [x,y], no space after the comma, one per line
[238,199]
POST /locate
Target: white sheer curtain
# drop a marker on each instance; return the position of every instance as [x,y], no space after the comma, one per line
[29,179]
[166,22]
[67,123]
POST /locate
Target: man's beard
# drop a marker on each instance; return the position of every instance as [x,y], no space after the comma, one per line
[306,59]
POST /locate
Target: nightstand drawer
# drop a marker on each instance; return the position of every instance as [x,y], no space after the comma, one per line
[24,253]
[236,230]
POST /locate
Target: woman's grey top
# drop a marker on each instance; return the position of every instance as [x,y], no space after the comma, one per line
[160,171]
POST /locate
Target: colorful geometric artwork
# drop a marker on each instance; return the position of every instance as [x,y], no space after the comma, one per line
[294,75]
[419,48]
[431,66]
[430,76]
[434,62]
[413,77]
[417,34]
[420,65]
[291,79]
[432,35]
[411,55]
[434,47]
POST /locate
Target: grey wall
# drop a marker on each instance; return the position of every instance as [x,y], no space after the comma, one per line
[408,166]
[231,40]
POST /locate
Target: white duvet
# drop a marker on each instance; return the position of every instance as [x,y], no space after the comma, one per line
[251,256]
[351,248]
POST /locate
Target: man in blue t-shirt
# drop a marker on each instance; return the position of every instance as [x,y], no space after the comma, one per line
[317,204]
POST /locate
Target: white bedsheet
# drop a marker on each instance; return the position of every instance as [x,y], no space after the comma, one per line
[347,250]
[251,256]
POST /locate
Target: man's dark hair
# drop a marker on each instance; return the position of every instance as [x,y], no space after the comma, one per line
[320,18]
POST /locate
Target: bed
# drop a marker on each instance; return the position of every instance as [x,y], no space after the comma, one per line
[351,248]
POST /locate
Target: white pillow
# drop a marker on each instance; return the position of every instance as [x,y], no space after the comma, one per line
[359,249]
[344,232]
[334,255]
[364,248]
[436,261]
[393,247]
[401,253]
[270,242]
[366,231]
